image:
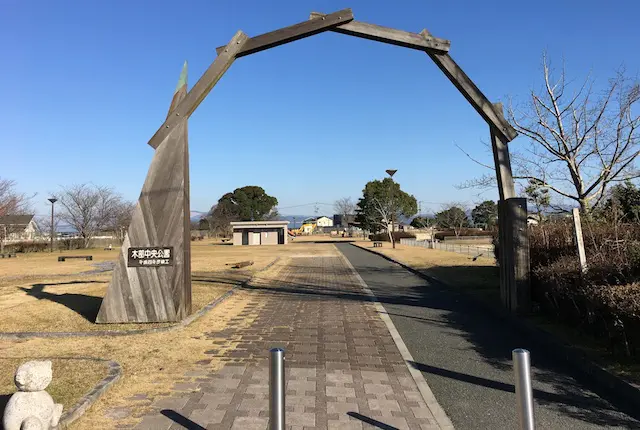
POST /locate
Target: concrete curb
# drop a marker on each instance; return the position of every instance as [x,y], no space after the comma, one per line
[625,392]
[82,405]
[114,333]
[432,403]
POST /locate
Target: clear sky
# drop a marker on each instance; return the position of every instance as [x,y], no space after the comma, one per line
[85,84]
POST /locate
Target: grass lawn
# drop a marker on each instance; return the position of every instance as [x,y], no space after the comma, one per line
[67,301]
[72,378]
[151,362]
[481,279]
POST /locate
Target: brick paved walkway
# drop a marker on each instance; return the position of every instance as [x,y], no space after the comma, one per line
[343,369]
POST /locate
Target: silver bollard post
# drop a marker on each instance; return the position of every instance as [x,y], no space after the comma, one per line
[524,392]
[276,389]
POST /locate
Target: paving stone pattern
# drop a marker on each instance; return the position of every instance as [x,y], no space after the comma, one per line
[343,369]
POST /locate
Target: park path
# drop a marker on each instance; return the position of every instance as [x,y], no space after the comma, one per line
[343,367]
[464,354]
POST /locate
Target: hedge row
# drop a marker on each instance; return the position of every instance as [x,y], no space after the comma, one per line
[397,235]
[604,301]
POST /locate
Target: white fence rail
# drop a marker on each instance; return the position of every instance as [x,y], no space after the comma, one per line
[471,250]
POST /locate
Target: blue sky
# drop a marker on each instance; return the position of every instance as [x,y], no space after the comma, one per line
[87,83]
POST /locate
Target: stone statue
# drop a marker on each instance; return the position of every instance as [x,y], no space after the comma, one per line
[31,407]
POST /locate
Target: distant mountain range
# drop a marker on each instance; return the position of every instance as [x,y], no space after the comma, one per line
[197,215]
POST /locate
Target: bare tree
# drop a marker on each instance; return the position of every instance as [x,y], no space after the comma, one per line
[384,212]
[344,206]
[11,201]
[121,218]
[88,209]
[219,218]
[453,216]
[44,224]
[580,143]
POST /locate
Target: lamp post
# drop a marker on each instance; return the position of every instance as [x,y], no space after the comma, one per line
[392,172]
[53,200]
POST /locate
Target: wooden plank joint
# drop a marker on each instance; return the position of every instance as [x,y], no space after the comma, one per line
[389,35]
[293,32]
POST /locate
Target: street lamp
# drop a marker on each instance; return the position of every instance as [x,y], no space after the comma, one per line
[392,172]
[52,200]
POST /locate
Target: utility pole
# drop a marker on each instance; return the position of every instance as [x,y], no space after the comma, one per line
[392,172]
[53,200]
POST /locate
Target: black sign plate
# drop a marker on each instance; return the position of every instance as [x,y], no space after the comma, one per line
[154,256]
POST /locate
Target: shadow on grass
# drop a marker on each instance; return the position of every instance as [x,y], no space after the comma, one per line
[83,304]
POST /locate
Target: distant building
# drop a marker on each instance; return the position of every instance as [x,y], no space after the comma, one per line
[18,227]
[343,221]
[260,232]
[324,221]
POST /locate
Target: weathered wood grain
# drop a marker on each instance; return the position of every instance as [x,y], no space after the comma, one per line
[201,89]
[502,161]
[293,32]
[161,218]
[389,35]
[515,289]
[472,93]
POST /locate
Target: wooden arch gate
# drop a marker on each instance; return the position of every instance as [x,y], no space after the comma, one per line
[152,278]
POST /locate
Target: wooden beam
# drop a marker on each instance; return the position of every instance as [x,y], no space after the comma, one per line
[294,32]
[472,93]
[502,161]
[201,89]
[390,35]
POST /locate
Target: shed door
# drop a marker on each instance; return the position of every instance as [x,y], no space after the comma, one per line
[256,239]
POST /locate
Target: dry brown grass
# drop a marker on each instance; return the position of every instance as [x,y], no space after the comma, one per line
[479,277]
[151,362]
[33,264]
[71,305]
[321,238]
[72,378]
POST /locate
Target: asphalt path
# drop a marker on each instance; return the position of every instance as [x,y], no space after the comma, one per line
[464,354]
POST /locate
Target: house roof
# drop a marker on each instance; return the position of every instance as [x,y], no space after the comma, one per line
[15,220]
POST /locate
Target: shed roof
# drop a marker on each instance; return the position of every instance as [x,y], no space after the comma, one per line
[254,224]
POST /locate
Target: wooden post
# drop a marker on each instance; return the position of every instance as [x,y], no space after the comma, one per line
[519,236]
[577,234]
[505,251]
[515,290]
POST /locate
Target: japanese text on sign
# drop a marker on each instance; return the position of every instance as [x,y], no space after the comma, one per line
[150,257]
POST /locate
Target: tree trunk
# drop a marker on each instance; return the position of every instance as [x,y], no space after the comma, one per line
[584,207]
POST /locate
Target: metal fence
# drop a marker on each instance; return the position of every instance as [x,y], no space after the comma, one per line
[471,250]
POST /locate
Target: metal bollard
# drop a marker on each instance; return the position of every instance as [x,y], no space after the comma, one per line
[276,389]
[524,392]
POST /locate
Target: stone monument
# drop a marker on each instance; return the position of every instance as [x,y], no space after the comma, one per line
[31,407]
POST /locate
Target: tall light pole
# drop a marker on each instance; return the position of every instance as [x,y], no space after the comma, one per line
[52,200]
[392,172]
